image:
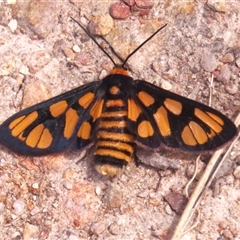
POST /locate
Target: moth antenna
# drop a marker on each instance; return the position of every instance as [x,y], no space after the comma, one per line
[94,40]
[112,49]
[125,61]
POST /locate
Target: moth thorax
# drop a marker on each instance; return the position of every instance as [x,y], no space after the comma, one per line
[108,169]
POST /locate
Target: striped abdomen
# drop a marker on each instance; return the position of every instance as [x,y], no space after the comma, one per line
[114,143]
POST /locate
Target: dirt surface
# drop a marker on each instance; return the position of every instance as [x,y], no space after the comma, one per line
[44,53]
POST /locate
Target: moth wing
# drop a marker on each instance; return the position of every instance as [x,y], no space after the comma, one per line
[157,116]
[53,125]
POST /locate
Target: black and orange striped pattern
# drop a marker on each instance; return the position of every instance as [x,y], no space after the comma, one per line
[115,114]
[115,143]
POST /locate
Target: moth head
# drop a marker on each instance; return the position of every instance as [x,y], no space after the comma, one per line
[119,70]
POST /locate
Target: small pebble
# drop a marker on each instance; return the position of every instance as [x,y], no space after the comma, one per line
[232,89]
[218,6]
[208,62]
[73,237]
[143,194]
[177,201]
[144,3]
[36,60]
[35,185]
[227,234]
[13,24]
[69,53]
[119,11]
[98,227]
[30,232]
[24,70]
[236,172]
[129,2]
[238,62]
[7,68]
[224,74]
[223,224]
[68,185]
[113,197]
[35,210]
[20,77]
[2,163]
[2,206]
[76,48]
[227,58]
[98,191]
[11,1]
[19,207]
[168,210]
[114,229]
[101,25]
[166,85]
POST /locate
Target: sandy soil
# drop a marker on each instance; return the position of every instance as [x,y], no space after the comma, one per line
[44,53]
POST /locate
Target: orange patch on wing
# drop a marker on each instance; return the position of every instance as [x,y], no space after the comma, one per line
[209,120]
[216,118]
[133,110]
[145,98]
[70,122]
[114,90]
[45,140]
[86,99]
[20,136]
[198,132]
[113,153]
[115,136]
[96,110]
[211,134]
[161,119]
[145,129]
[187,137]
[23,123]
[34,136]
[16,121]
[58,108]
[84,131]
[115,103]
[173,106]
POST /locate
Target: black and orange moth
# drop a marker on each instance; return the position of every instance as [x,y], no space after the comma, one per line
[115,114]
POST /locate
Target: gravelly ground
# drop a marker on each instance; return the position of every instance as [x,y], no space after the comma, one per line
[53,197]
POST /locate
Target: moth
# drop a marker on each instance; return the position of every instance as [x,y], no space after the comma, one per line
[116,114]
